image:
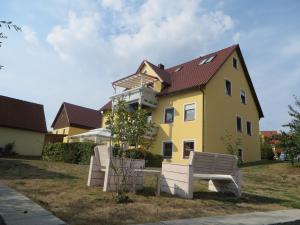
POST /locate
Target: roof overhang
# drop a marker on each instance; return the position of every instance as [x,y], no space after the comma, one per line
[134,80]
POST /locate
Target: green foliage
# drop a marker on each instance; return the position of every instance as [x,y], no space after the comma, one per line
[128,128]
[8,150]
[232,145]
[290,141]
[78,153]
[266,151]
[151,160]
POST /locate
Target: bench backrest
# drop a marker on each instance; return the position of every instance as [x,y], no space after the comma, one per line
[213,163]
[102,154]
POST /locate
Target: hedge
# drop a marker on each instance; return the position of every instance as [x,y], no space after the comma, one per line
[151,160]
[78,153]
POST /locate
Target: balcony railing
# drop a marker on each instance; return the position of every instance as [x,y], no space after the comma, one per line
[141,95]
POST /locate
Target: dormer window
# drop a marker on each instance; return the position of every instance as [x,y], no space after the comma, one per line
[207,60]
[178,69]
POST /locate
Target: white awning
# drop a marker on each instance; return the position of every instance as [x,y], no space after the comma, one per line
[102,133]
[133,81]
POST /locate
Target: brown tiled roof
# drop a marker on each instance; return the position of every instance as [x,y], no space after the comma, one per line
[107,106]
[269,133]
[163,74]
[15,113]
[79,116]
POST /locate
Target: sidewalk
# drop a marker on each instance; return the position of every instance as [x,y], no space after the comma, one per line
[16,209]
[287,217]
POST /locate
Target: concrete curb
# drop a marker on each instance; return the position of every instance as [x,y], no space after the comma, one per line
[280,217]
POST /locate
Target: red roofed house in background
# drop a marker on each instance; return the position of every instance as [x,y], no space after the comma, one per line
[22,123]
[266,135]
[196,104]
[74,119]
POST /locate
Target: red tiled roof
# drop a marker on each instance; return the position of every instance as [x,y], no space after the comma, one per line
[15,113]
[269,133]
[192,75]
[163,74]
[79,116]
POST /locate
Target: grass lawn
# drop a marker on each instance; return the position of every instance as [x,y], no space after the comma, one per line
[61,188]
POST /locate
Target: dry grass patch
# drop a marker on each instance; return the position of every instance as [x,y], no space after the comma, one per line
[61,188]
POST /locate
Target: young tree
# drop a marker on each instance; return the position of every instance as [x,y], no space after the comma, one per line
[291,141]
[232,145]
[9,25]
[128,128]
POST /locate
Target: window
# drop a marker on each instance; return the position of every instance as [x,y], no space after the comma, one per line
[249,128]
[149,118]
[188,146]
[169,115]
[167,150]
[234,62]
[178,69]
[243,97]
[240,154]
[189,112]
[207,60]
[239,124]
[228,87]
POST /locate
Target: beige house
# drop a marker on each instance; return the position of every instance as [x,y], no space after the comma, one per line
[22,123]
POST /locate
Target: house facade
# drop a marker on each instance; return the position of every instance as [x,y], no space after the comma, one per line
[201,105]
[22,123]
[74,119]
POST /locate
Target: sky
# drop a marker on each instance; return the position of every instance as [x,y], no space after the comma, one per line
[71,50]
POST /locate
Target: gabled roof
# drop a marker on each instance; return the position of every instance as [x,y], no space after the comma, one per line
[79,116]
[163,74]
[19,114]
[107,106]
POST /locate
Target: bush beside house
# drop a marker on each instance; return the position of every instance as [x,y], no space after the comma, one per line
[78,153]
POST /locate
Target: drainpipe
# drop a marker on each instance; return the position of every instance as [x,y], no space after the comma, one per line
[203,111]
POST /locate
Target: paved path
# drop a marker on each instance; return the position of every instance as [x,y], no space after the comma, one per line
[287,217]
[16,209]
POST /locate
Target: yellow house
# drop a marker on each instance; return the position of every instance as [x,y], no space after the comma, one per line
[200,105]
[22,123]
[74,119]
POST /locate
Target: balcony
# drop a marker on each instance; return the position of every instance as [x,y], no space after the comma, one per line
[136,90]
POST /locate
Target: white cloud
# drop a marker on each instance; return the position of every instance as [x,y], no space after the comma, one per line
[113,4]
[292,47]
[29,35]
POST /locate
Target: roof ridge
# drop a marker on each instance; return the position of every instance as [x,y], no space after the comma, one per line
[215,52]
[79,106]
[17,99]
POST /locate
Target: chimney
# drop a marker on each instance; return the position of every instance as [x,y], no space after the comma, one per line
[161,66]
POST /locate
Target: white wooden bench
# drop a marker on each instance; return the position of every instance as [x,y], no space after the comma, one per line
[220,170]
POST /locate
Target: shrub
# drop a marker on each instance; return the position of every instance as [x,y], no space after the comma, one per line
[266,151]
[151,160]
[8,150]
[78,153]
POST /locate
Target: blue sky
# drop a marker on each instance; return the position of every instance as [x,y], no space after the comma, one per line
[71,50]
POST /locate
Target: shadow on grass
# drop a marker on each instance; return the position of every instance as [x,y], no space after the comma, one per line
[17,169]
[261,162]
[245,198]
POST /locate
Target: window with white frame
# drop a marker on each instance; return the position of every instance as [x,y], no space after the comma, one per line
[228,87]
[243,97]
[188,146]
[169,115]
[167,149]
[249,128]
[239,127]
[189,112]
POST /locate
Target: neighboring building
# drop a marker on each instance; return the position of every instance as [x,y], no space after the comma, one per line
[266,137]
[22,123]
[74,119]
[196,103]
